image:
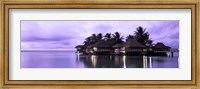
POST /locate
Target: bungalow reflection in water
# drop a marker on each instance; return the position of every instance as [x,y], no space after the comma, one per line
[117,61]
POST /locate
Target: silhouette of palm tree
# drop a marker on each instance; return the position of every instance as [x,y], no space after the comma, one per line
[99,37]
[142,36]
[117,38]
[93,39]
[108,37]
[129,37]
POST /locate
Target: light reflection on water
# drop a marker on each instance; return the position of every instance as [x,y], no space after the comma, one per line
[68,59]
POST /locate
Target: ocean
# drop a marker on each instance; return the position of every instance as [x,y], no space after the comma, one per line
[69,59]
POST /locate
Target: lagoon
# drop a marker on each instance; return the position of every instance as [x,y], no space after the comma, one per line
[69,59]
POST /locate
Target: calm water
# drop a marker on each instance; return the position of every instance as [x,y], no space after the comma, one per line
[68,59]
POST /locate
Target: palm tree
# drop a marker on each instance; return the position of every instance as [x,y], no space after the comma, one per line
[93,39]
[107,37]
[88,41]
[129,37]
[99,37]
[142,36]
[117,38]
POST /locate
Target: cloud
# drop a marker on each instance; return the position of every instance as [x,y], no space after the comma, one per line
[42,38]
[68,34]
[174,36]
[100,28]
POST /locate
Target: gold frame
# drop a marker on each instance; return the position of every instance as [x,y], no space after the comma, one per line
[95,84]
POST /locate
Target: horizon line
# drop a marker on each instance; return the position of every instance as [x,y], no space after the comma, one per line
[46,49]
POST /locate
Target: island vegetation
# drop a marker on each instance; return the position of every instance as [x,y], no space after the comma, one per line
[137,43]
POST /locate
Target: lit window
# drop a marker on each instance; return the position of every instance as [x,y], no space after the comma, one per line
[144,49]
[123,51]
[95,48]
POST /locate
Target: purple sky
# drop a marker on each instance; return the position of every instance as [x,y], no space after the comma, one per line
[68,34]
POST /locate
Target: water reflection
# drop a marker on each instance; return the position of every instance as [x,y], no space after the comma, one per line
[116,61]
[124,61]
[68,59]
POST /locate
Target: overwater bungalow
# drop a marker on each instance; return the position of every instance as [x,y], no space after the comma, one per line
[130,47]
[100,47]
[133,47]
[81,49]
[161,49]
[117,48]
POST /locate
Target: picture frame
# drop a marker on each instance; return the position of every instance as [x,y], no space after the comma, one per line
[98,84]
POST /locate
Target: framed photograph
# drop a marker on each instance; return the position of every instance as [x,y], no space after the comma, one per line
[99,44]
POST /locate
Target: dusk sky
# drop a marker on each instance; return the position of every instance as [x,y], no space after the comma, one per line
[68,34]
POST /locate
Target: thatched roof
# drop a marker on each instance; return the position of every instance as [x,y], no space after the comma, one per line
[79,46]
[132,43]
[118,45]
[101,44]
[160,45]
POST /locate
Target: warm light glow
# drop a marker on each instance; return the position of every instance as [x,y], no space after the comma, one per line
[94,60]
[124,61]
[145,62]
[123,51]
[150,63]
[95,48]
[117,50]
[144,49]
